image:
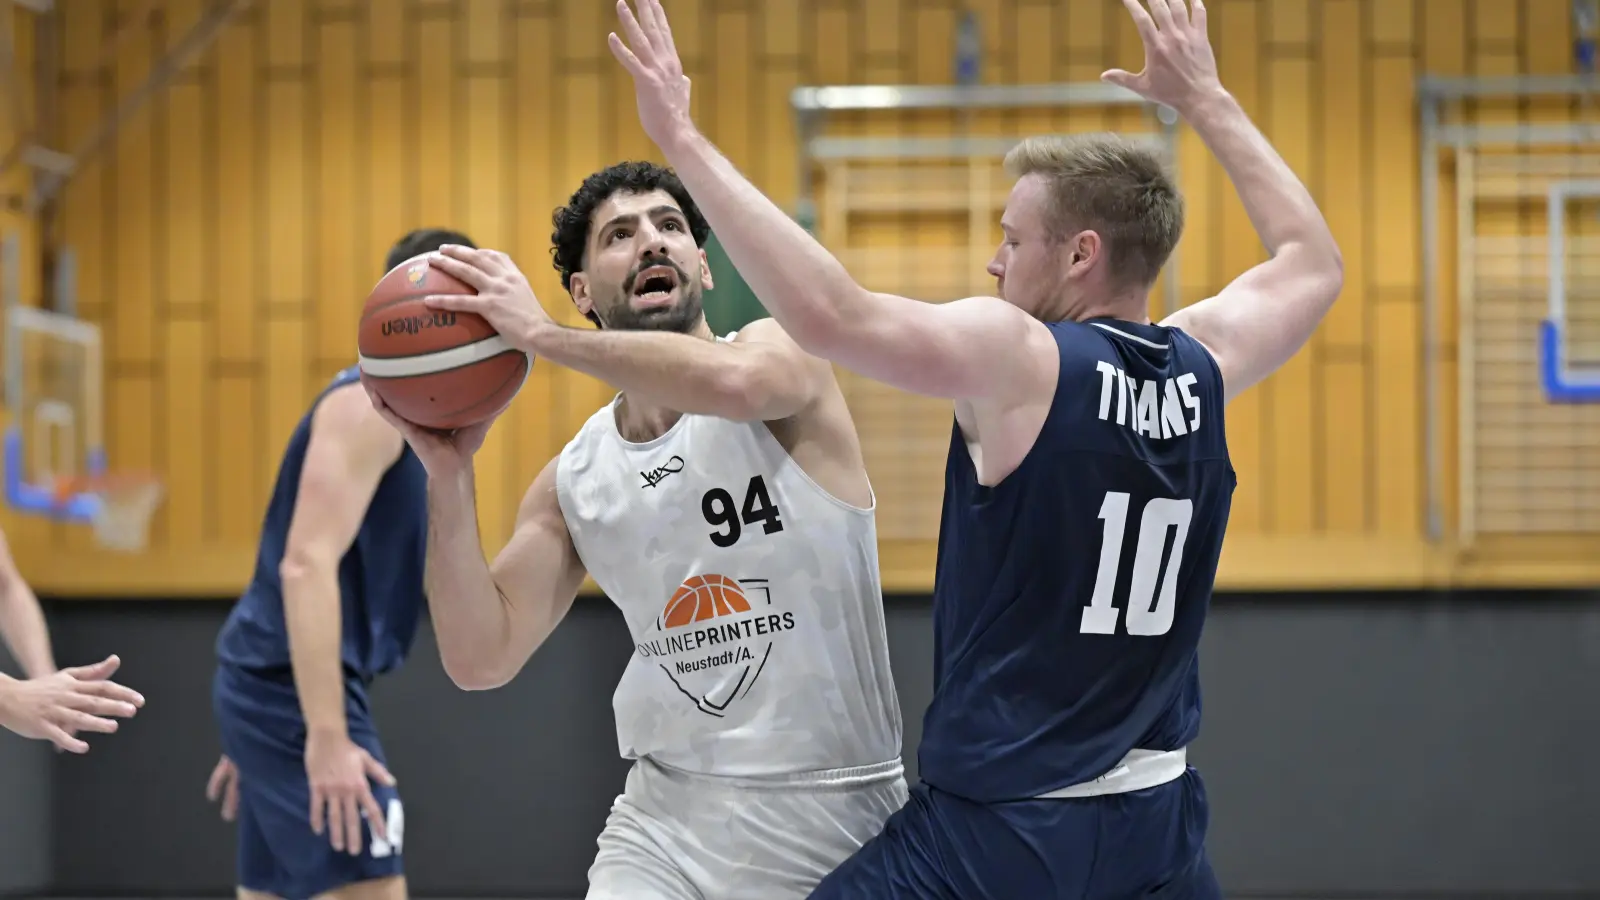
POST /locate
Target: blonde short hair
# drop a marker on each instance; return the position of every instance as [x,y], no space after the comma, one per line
[1113,186]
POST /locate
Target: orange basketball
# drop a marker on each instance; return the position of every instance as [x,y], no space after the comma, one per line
[436,368]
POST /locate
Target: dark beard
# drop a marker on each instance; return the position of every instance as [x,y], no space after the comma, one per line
[681,317]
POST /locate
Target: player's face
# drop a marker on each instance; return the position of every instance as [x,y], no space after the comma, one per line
[643,270]
[1036,270]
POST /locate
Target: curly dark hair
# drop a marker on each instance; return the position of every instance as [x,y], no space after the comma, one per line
[423,240]
[572,222]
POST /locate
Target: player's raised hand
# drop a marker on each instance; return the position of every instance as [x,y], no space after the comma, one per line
[1179,66]
[224,785]
[504,296]
[443,453]
[57,706]
[651,57]
[338,770]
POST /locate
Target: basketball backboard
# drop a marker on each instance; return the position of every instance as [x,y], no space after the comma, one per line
[55,454]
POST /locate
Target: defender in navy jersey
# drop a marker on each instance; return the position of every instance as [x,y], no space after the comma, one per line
[1087,487]
[334,602]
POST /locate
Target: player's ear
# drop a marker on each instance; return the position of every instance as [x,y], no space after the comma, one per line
[1083,250]
[705,272]
[578,286]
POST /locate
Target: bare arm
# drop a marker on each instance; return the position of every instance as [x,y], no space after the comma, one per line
[350,449]
[1267,314]
[489,620]
[762,375]
[964,350]
[21,619]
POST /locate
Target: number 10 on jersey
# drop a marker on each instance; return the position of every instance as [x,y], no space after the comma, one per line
[1150,607]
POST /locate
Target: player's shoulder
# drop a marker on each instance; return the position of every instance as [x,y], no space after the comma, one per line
[582,448]
[343,414]
[770,331]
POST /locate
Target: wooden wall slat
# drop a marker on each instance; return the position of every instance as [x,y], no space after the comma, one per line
[227,240]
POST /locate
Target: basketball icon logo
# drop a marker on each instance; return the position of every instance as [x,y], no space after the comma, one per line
[416,274]
[714,636]
[704,597]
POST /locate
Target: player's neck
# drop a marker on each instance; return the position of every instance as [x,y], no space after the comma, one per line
[639,421]
[1125,307]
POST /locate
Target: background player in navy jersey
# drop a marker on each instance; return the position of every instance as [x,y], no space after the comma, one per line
[1087,486]
[334,602]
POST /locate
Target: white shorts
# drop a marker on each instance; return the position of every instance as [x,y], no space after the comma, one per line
[676,836]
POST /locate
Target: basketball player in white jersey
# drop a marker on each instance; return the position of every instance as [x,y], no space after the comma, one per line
[720,500]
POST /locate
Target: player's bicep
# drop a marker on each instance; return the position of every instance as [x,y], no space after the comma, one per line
[538,572]
[972,349]
[1255,324]
[350,449]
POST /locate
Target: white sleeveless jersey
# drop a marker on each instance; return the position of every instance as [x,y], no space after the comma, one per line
[752,596]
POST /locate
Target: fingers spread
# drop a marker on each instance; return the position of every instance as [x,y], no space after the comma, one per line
[1141,19]
[219,778]
[374,814]
[100,706]
[336,822]
[379,771]
[98,671]
[1162,13]
[638,42]
[352,824]
[63,740]
[110,690]
[456,302]
[464,272]
[317,802]
[668,44]
[82,721]
[623,54]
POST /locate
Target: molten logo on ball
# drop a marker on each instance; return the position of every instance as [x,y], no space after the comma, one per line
[417,273]
[414,324]
[714,636]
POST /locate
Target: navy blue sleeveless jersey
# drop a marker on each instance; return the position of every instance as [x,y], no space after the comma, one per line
[1069,598]
[380,576]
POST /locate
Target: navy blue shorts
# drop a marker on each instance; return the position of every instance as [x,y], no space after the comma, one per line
[938,846]
[264,734]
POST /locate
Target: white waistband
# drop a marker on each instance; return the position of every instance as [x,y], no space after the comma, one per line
[1138,770]
[816,780]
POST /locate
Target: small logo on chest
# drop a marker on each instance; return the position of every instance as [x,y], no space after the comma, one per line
[655,476]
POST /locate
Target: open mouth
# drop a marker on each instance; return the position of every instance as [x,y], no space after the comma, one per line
[655,284]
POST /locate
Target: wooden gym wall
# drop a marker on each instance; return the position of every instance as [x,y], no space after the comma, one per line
[17,100]
[227,242]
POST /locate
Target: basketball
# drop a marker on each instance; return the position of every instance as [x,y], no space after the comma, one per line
[435,368]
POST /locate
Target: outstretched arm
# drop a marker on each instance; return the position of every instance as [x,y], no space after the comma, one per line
[962,350]
[22,622]
[761,375]
[1256,323]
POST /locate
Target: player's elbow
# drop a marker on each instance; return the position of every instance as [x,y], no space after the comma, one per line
[1320,266]
[745,392]
[820,328]
[475,673]
[303,564]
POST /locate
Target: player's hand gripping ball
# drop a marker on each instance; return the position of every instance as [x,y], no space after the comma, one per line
[437,368]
